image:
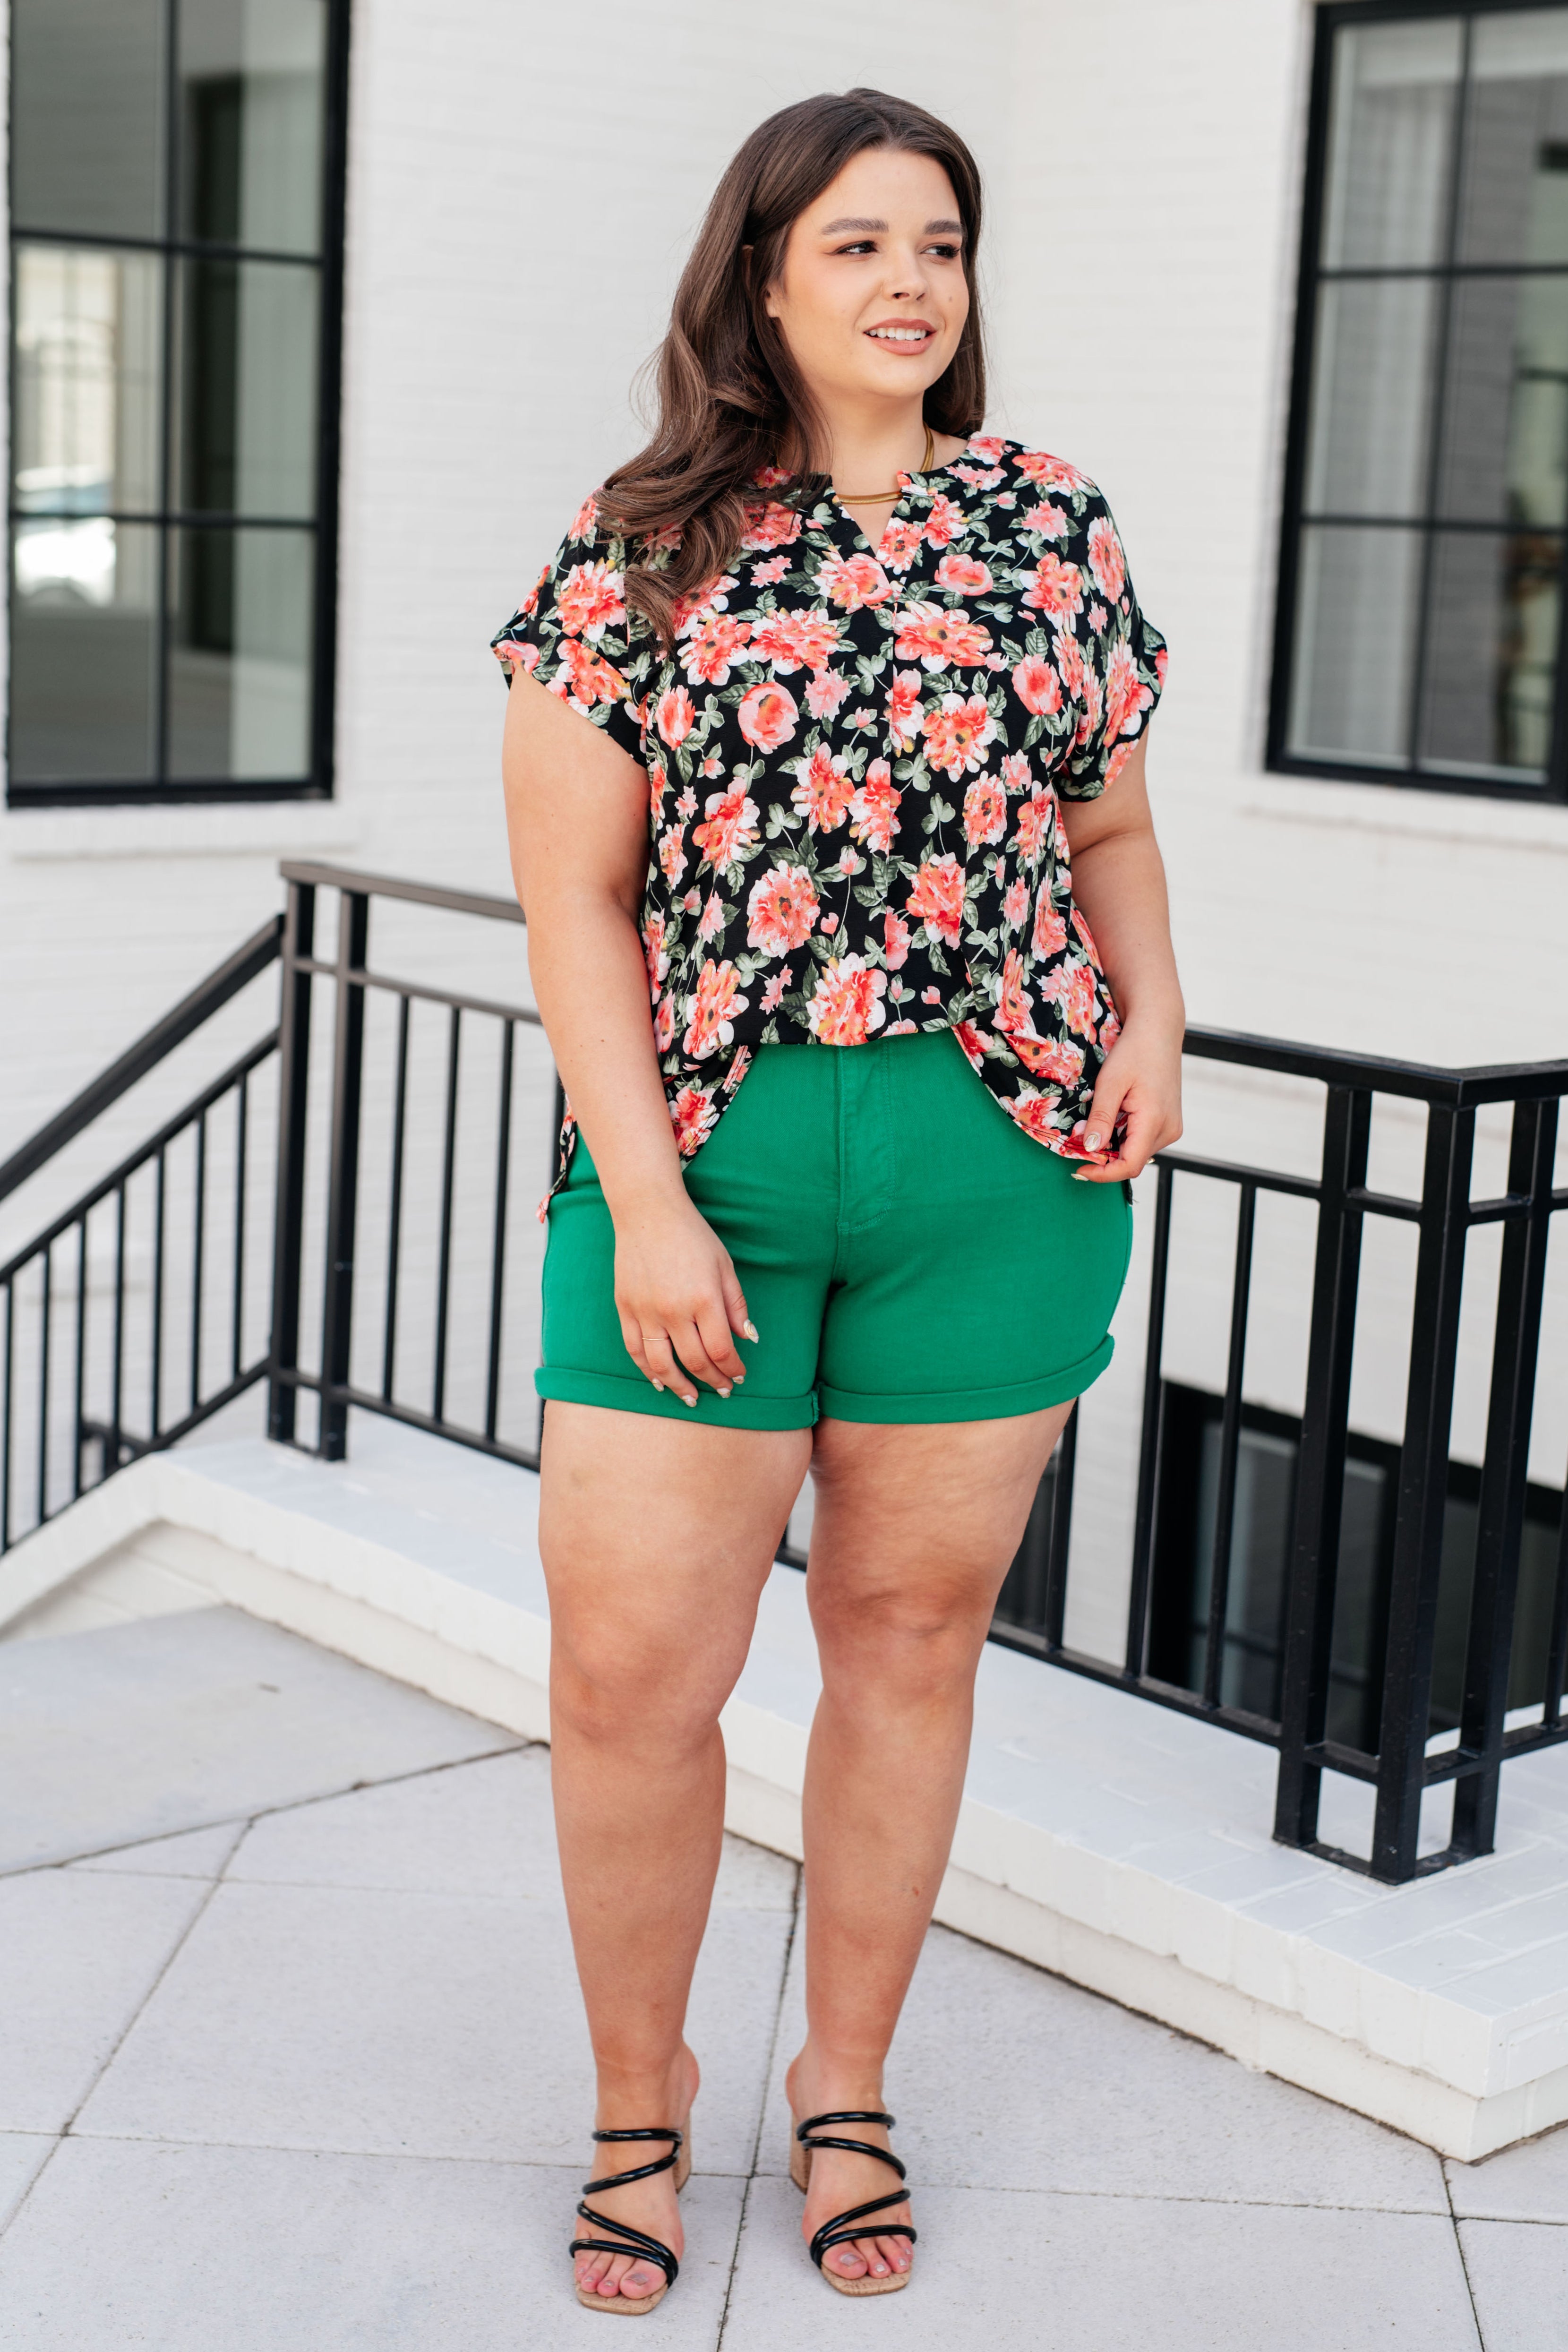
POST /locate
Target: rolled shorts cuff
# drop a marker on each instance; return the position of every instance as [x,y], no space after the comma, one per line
[969,1404]
[738,1411]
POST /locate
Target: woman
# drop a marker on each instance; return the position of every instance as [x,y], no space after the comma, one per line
[836,686]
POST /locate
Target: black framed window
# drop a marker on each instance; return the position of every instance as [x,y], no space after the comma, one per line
[176,270]
[1421,615]
[1186,1523]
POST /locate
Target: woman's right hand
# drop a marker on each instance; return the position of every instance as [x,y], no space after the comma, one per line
[679,1299]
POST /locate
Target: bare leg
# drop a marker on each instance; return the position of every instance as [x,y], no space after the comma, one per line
[914,1532]
[656,1541]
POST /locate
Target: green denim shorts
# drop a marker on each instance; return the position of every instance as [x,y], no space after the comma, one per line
[906,1253]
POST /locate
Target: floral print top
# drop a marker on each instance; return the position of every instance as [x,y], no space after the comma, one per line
[854,759]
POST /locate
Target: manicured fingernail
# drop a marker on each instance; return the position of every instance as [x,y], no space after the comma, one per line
[749,1329]
[1093,1143]
[738,1378]
[724,1392]
[1082,1176]
[660,1386]
[691,1400]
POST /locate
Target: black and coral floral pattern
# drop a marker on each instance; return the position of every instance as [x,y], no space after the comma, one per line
[856,758]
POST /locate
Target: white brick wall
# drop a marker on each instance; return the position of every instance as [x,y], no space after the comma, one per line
[523,185]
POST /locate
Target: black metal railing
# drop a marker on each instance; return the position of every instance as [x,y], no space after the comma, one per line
[369,1277]
[404,1272]
[1403,1760]
[142,1309]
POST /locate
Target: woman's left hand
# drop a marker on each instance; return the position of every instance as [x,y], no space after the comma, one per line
[1139,1084]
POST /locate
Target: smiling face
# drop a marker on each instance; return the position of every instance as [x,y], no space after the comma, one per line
[872,296]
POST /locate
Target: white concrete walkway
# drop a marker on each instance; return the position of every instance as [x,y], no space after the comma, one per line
[1121,1846]
[291,2061]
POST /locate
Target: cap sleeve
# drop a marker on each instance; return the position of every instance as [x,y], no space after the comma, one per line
[1120,660]
[574,634]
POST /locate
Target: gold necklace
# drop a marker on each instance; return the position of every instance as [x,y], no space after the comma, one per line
[885,497]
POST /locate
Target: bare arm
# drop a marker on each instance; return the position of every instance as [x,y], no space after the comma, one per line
[577,817]
[1119,881]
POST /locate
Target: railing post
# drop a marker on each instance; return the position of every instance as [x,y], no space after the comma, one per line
[8,1376]
[1136,1654]
[78,1415]
[448,1197]
[1229,1452]
[1521,1278]
[1320,1471]
[1423,1493]
[1557,1641]
[498,1235]
[343,1179]
[288,1211]
[1060,1534]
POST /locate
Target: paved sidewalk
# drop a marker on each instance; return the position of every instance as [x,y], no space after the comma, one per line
[292,2061]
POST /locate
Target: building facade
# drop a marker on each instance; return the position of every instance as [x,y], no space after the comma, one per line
[325,317]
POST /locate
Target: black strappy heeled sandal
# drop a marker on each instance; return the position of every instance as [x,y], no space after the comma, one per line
[632,2241]
[834,2232]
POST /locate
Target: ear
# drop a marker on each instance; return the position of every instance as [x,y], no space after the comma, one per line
[747,254]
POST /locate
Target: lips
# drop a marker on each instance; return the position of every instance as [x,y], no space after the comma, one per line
[902,334]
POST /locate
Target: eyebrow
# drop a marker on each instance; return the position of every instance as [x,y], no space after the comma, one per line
[933,228]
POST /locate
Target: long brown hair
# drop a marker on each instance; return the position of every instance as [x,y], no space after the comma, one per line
[731,401]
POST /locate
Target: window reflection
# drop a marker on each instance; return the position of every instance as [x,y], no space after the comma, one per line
[1505,440]
[84,652]
[1252,1654]
[1358,594]
[88,348]
[1371,397]
[247,388]
[251,88]
[239,659]
[1492,654]
[86,449]
[1512,205]
[1439,399]
[1391,144]
[88,134]
[169,375]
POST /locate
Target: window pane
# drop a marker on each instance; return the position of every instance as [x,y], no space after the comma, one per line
[251,91]
[83,651]
[1360,1605]
[1372,396]
[248,378]
[1492,654]
[1357,599]
[1260,1551]
[241,617]
[88,330]
[1391,142]
[1505,436]
[87,114]
[1514,202]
